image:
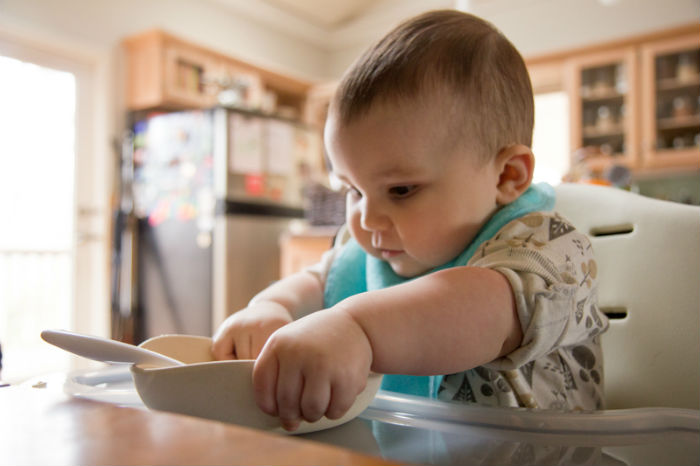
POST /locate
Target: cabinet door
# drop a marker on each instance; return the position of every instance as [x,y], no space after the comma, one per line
[671,102]
[298,252]
[602,90]
[164,73]
[185,77]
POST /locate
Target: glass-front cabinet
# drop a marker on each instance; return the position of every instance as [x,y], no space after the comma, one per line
[671,102]
[603,105]
[636,103]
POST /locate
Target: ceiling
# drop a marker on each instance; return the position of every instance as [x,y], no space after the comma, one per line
[333,24]
[324,13]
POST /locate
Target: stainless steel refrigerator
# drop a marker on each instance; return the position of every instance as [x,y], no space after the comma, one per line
[208,195]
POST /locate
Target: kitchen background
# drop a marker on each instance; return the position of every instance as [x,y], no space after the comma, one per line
[123,220]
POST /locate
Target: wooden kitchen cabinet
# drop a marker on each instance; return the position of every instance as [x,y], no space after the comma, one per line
[603,86]
[168,73]
[302,250]
[671,102]
[638,101]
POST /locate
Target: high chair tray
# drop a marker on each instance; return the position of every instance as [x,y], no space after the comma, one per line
[417,430]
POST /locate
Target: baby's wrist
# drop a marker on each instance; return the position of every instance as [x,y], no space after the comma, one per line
[356,326]
[270,307]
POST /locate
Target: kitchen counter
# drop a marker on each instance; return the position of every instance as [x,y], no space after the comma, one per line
[302,247]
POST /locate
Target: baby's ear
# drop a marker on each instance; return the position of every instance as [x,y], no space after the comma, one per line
[516,164]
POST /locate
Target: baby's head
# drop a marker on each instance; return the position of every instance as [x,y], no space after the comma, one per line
[451,59]
[430,130]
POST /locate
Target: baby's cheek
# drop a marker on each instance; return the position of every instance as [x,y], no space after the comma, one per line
[434,250]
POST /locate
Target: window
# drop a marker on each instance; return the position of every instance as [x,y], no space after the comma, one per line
[550,142]
[37,156]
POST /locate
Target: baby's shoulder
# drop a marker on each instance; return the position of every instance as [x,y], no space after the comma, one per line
[544,242]
[541,226]
[537,235]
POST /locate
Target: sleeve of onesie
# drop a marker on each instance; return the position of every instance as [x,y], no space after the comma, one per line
[552,271]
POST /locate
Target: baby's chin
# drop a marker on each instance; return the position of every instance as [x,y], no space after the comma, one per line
[408,269]
[402,265]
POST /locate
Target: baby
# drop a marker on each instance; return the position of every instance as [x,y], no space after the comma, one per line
[451,276]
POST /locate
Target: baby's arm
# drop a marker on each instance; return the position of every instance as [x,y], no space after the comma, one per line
[243,334]
[442,323]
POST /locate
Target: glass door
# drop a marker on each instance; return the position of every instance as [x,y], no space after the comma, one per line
[52,243]
[671,73]
[603,113]
[36,195]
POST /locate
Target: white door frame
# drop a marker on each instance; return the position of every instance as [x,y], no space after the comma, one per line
[93,164]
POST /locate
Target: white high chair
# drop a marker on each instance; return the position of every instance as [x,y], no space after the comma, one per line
[648,255]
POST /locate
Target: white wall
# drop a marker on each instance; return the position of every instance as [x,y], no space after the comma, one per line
[104,23]
[535,27]
[249,30]
[542,26]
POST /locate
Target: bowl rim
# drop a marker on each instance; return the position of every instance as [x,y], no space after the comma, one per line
[229,362]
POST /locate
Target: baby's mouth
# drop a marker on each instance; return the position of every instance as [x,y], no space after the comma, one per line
[390,253]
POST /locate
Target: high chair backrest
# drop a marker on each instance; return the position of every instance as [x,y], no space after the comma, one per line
[648,255]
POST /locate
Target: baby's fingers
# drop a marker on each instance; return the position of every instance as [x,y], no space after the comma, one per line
[341,400]
[265,384]
[257,342]
[315,398]
[222,347]
[241,347]
[289,389]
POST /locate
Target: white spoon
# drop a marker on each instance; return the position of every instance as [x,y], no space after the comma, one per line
[106,350]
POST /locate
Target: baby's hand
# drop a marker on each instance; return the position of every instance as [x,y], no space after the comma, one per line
[313,367]
[243,334]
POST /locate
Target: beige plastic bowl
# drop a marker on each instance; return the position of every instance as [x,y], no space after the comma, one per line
[219,390]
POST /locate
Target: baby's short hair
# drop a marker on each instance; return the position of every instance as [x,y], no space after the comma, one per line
[454,52]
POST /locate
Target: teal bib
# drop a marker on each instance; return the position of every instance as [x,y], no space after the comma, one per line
[354,271]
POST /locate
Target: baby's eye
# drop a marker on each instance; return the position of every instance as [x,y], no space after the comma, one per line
[402,191]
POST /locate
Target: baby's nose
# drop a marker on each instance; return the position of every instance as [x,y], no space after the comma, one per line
[373,218]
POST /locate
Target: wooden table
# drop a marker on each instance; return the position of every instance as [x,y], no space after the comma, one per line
[42,426]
